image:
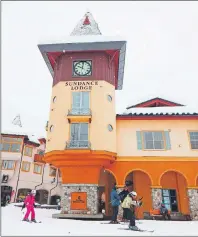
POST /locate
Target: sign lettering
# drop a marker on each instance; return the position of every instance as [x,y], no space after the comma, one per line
[81,85]
[78,201]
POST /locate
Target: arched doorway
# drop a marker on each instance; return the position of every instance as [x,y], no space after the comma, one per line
[142,185]
[41,196]
[22,193]
[53,199]
[174,192]
[106,183]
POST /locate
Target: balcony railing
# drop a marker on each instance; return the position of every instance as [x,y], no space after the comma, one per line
[39,158]
[79,111]
[78,145]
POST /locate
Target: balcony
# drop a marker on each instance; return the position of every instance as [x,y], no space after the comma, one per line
[79,115]
[78,145]
[39,158]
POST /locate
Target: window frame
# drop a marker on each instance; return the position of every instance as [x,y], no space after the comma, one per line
[153,131]
[22,167]
[50,172]
[70,130]
[176,197]
[26,154]
[11,142]
[35,172]
[189,131]
[81,96]
[13,166]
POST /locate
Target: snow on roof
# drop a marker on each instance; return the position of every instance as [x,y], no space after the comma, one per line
[86,26]
[176,110]
[80,39]
[16,130]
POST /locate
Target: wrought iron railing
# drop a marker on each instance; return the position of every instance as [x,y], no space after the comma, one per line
[78,145]
[79,111]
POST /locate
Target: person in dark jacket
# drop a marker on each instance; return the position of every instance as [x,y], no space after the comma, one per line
[164,212]
[115,202]
[123,195]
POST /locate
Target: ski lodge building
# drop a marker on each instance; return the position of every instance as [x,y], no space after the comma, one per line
[154,143]
[23,169]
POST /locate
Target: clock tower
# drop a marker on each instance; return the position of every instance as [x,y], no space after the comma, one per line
[86,68]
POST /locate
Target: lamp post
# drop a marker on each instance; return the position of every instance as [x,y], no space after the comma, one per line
[20,164]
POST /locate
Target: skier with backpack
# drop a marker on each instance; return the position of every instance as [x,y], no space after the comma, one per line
[29,203]
[123,195]
[130,203]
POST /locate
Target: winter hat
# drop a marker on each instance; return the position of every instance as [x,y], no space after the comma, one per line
[133,193]
[33,192]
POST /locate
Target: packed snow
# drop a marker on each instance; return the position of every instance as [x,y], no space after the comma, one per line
[13,226]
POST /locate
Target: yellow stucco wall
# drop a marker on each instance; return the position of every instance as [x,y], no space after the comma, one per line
[180,147]
[103,113]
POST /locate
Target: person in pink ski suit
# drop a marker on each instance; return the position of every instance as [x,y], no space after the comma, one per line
[29,203]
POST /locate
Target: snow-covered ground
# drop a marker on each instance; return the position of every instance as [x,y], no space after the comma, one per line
[13,226]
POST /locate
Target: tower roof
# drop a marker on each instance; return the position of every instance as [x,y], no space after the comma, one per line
[86,37]
[86,26]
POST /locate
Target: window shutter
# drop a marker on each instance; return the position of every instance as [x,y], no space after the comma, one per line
[167,140]
[139,140]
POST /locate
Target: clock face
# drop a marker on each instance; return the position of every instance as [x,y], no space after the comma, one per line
[82,68]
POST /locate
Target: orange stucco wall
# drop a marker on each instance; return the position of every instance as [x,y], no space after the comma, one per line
[142,186]
[155,167]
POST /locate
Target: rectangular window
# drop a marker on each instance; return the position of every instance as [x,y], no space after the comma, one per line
[193,140]
[11,144]
[169,198]
[8,164]
[79,135]
[28,151]
[37,168]
[52,172]
[80,102]
[25,166]
[153,140]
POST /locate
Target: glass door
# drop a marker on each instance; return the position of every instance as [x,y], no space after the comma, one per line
[169,198]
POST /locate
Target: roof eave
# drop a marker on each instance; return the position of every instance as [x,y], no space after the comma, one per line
[87,46]
[157,117]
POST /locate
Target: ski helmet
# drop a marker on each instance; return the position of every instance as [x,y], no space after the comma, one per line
[33,192]
[133,193]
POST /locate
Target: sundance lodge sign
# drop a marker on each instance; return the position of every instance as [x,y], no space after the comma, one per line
[78,201]
[81,85]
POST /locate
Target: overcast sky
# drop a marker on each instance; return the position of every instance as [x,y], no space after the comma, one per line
[161,57]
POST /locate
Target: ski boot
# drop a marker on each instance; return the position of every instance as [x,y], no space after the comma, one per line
[135,228]
[34,221]
[26,220]
[116,222]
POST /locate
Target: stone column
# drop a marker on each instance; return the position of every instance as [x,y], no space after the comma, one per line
[193,203]
[156,197]
[92,198]
[120,210]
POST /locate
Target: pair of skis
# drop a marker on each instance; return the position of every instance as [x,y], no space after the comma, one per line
[37,222]
[140,230]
